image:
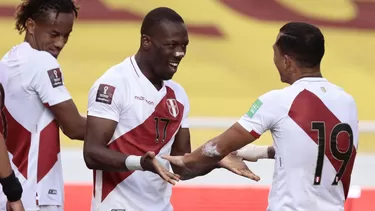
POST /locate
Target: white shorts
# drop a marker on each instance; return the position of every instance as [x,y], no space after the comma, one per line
[43,208]
[50,208]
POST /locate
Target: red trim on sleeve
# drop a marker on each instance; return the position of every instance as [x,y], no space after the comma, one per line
[254,134]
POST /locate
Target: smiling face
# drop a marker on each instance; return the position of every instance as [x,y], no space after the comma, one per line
[52,33]
[166,48]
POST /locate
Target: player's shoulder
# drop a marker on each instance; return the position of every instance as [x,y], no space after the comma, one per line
[342,94]
[176,87]
[275,95]
[173,85]
[116,77]
[114,73]
[42,60]
[277,101]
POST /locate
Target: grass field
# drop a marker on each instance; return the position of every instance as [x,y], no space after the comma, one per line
[222,75]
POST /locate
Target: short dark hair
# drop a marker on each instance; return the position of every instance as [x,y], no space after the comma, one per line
[303,42]
[158,16]
[38,9]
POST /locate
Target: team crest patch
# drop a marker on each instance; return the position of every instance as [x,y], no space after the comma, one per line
[172,107]
[105,93]
[254,108]
[55,77]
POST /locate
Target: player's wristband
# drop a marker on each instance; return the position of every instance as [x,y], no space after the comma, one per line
[133,162]
[12,187]
[253,152]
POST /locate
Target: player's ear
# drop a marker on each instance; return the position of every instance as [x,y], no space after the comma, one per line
[30,26]
[287,61]
[146,42]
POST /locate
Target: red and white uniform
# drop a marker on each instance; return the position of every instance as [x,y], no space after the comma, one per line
[34,83]
[148,120]
[314,125]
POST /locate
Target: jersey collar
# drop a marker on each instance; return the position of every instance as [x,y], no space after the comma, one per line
[141,75]
[311,79]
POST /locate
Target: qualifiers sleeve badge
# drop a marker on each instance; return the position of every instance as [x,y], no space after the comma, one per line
[105,93]
[55,77]
[254,108]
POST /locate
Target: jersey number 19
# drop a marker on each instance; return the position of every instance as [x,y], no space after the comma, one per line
[333,151]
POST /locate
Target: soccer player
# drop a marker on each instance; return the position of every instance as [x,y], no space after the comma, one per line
[8,180]
[136,112]
[37,102]
[313,122]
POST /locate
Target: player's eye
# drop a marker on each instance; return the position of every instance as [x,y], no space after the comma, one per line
[170,45]
[53,35]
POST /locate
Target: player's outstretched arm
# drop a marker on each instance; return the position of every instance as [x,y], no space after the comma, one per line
[208,155]
[262,116]
[97,156]
[182,146]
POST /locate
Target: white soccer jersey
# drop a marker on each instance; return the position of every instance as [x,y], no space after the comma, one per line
[314,126]
[34,83]
[148,120]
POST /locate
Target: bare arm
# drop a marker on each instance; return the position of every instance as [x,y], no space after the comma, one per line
[213,151]
[96,154]
[70,121]
[181,146]
[5,168]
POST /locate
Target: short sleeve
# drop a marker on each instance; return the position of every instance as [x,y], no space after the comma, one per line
[106,101]
[185,117]
[48,80]
[262,114]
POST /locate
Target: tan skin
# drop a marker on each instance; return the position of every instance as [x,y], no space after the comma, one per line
[236,136]
[5,168]
[51,35]
[153,58]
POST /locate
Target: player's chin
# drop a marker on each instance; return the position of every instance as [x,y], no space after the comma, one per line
[168,76]
[54,53]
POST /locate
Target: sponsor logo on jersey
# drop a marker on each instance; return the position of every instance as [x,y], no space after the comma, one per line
[52,191]
[105,93]
[55,77]
[172,107]
[254,108]
[144,99]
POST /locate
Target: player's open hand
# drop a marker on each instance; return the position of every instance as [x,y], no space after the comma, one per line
[175,160]
[150,163]
[236,165]
[15,206]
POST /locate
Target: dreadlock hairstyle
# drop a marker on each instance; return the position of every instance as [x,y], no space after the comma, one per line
[38,10]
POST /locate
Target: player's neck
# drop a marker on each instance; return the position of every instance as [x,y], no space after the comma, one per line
[31,42]
[147,71]
[307,73]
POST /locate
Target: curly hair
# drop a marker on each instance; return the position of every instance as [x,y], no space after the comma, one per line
[38,9]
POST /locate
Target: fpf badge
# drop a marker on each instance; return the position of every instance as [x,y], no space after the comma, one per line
[172,107]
